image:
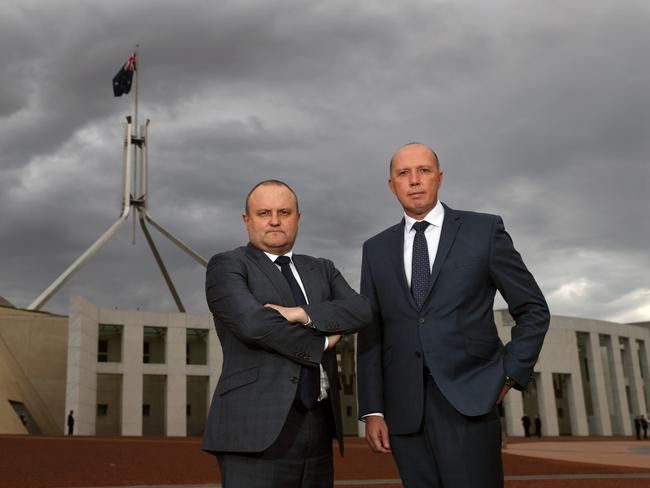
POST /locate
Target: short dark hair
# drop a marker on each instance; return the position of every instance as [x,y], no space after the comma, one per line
[271,182]
[390,166]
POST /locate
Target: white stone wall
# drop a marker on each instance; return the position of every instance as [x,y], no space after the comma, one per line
[81,394]
[610,368]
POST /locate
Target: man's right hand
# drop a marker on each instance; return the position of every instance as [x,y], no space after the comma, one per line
[377,434]
[332,340]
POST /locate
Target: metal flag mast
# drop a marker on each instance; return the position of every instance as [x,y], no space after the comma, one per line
[135,189]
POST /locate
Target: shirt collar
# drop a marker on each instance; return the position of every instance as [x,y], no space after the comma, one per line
[273,257]
[434,217]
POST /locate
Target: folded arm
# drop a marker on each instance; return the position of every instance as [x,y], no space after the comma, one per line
[231,302]
[346,312]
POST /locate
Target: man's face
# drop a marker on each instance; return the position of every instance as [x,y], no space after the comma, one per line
[415,179]
[272,219]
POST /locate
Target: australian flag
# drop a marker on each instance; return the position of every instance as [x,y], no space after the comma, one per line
[122,80]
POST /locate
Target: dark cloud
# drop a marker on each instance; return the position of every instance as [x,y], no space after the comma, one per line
[539,114]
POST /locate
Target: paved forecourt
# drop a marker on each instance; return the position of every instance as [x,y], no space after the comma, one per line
[39,461]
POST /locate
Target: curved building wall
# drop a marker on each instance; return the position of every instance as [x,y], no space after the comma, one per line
[133,372]
[591,378]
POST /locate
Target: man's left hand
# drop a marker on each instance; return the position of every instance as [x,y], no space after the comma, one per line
[502,395]
[292,314]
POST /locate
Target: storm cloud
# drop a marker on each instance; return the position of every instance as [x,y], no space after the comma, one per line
[539,112]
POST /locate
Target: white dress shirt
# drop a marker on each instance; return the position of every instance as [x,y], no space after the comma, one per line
[432,234]
[324,381]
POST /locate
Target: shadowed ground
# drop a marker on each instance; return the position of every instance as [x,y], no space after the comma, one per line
[130,461]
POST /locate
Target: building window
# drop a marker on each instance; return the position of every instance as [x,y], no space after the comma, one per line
[146,410]
[196,346]
[154,344]
[102,410]
[146,347]
[102,351]
[109,343]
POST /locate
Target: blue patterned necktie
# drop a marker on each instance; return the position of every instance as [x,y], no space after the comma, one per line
[420,268]
[309,384]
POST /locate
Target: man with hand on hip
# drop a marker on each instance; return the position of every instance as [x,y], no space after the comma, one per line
[431,366]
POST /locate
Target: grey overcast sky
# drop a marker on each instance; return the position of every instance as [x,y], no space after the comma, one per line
[539,110]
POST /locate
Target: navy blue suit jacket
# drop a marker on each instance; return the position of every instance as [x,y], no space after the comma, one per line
[454,333]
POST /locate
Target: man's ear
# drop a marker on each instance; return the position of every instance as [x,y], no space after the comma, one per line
[390,185]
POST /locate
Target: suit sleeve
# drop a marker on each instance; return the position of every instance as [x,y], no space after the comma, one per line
[369,348]
[345,313]
[232,303]
[525,302]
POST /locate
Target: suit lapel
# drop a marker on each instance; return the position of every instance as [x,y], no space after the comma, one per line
[308,276]
[450,226]
[396,252]
[270,269]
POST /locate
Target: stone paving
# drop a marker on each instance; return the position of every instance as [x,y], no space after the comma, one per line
[39,461]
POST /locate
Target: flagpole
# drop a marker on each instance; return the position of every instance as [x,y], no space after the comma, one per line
[135,115]
[136,131]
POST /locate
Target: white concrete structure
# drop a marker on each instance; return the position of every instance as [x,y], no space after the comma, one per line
[131,372]
[592,378]
[151,360]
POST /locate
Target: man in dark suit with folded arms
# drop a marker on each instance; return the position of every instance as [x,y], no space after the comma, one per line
[431,366]
[278,315]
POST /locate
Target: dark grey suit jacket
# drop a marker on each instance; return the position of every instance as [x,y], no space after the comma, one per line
[263,352]
[454,332]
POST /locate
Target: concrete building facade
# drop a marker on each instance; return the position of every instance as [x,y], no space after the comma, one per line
[131,372]
[592,378]
[139,373]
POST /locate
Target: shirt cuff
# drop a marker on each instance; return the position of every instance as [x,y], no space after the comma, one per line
[327,343]
[373,414]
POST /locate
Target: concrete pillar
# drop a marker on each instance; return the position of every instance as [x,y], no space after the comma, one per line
[601,424]
[622,422]
[633,370]
[577,410]
[514,407]
[81,374]
[644,353]
[547,404]
[132,340]
[176,378]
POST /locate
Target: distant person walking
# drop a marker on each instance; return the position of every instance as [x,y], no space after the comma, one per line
[644,426]
[637,427]
[538,426]
[70,422]
[525,420]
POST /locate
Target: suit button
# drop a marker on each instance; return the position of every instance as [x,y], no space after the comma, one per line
[294,380]
[421,321]
[418,354]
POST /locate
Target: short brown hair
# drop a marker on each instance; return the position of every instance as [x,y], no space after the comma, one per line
[271,182]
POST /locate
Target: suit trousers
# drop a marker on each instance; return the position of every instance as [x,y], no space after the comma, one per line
[450,450]
[301,456]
